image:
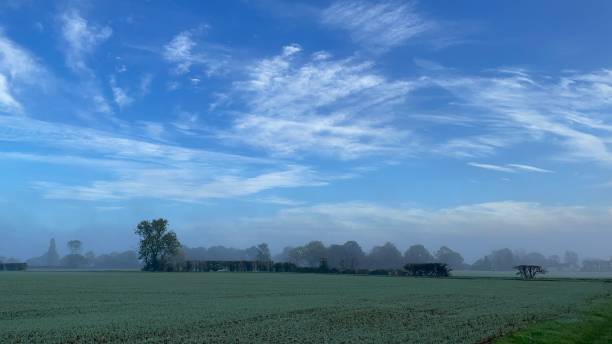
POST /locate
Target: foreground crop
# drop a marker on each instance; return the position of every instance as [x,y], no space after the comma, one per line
[135,307]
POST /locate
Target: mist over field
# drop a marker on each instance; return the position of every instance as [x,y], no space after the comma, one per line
[100,238]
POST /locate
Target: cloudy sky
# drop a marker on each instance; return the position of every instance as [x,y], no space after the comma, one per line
[473,124]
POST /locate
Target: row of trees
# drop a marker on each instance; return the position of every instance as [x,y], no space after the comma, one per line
[350,255]
[505,259]
[260,253]
[75,259]
[160,247]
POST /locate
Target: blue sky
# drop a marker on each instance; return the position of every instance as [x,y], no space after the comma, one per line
[473,124]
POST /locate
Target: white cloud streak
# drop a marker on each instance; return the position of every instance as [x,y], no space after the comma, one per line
[119,95]
[491,218]
[492,167]
[336,108]
[510,168]
[530,168]
[7,102]
[17,67]
[142,169]
[82,38]
[183,52]
[377,25]
[574,109]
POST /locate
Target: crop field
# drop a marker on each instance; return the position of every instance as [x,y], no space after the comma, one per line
[136,307]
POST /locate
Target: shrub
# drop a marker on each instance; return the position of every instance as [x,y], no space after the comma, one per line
[14,266]
[428,269]
[528,272]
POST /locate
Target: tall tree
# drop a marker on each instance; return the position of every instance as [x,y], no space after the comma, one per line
[157,244]
[263,253]
[450,257]
[74,246]
[386,256]
[417,254]
[296,255]
[482,264]
[313,252]
[571,259]
[503,260]
[354,255]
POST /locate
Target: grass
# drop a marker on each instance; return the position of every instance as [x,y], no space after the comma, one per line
[135,307]
[593,325]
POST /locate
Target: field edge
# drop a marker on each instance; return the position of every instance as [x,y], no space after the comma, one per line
[590,325]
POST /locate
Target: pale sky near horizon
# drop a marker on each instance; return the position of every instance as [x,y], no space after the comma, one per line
[474,124]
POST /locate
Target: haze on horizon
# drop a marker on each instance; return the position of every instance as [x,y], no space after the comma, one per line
[477,125]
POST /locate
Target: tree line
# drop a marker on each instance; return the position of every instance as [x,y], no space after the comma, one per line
[76,259]
[160,246]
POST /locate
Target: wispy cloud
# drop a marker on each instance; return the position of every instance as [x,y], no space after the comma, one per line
[179,51]
[569,109]
[529,168]
[180,183]
[183,52]
[510,168]
[322,106]
[279,201]
[142,169]
[17,67]
[475,146]
[492,167]
[484,217]
[378,25]
[7,102]
[81,37]
[119,95]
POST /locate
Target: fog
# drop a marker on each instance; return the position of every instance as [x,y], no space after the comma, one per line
[26,241]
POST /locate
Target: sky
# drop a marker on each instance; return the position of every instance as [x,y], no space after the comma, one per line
[473,124]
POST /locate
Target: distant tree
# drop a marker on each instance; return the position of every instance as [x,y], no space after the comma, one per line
[417,254]
[91,257]
[313,252]
[571,259]
[353,255]
[553,261]
[346,256]
[74,246]
[296,255]
[596,265]
[284,255]
[74,261]
[336,256]
[534,258]
[221,253]
[157,244]
[452,258]
[263,253]
[482,264]
[503,260]
[118,260]
[528,271]
[386,256]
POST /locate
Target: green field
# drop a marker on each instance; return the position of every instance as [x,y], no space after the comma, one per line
[135,307]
